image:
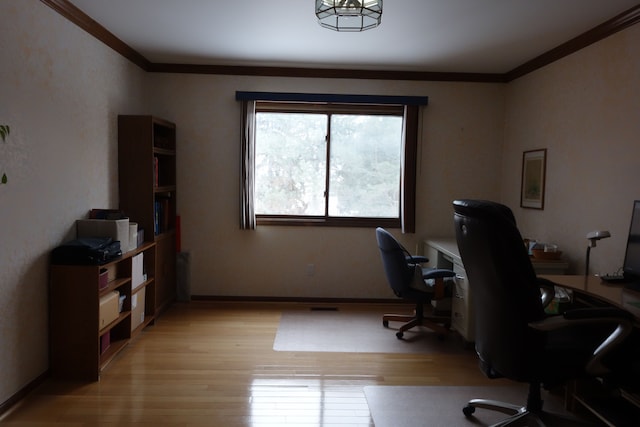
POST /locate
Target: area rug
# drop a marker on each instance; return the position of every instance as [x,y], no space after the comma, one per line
[355,332]
[411,406]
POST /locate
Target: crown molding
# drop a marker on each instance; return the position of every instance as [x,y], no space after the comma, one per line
[84,21]
[602,31]
[329,73]
[76,16]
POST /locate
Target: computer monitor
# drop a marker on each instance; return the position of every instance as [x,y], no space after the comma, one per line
[631,266]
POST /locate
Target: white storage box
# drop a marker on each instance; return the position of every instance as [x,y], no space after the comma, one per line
[137,271]
[137,308]
[133,235]
[117,229]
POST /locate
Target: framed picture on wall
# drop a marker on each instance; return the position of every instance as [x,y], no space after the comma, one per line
[534,165]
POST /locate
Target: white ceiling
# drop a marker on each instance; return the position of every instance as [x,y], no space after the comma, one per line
[476,36]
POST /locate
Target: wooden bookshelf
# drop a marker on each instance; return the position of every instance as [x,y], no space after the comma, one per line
[74,307]
[148,191]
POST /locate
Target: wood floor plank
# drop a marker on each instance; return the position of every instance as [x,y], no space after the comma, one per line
[213,364]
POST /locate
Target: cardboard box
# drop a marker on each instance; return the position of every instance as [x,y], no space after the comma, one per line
[117,229]
[137,308]
[112,272]
[108,308]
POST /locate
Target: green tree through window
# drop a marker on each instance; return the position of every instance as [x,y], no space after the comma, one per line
[328,164]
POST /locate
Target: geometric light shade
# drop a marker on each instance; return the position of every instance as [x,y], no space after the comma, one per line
[349,15]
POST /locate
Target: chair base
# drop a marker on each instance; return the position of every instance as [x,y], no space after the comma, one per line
[438,324]
[518,415]
[521,416]
[530,415]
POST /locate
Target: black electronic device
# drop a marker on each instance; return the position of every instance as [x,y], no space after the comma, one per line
[614,278]
[631,266]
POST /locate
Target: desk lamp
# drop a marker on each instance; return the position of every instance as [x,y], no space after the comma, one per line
[593,237]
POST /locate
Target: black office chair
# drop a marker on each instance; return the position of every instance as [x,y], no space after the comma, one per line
[515,339]
[401,268]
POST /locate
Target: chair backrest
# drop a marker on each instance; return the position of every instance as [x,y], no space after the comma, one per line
[398,271]
[503,287]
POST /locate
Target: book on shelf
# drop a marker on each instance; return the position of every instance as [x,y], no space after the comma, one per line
[165,214]
[162,214]
[155,171]
[156,218]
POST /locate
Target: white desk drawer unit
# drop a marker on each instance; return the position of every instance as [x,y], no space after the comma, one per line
[461,306]
[443,253]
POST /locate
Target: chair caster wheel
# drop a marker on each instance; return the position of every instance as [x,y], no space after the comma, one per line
[399,335]
[468,410]
[385,323]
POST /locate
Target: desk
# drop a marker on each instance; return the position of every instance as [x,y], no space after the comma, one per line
[443,253]
[592,291]
[592,287]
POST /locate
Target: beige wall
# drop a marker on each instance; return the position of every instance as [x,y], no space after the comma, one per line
[61,91]
[585,110]
[459,156]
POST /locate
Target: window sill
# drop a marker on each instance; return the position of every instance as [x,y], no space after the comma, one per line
[309,221]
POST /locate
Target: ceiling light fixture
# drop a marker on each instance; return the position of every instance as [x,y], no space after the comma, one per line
[349,15]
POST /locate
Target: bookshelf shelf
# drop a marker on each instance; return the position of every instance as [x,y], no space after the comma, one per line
[164,151]
[164,189]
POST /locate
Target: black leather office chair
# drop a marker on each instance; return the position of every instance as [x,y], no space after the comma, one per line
[515,339]
[400,270]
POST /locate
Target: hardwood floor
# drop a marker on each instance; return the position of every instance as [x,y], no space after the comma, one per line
[212,364]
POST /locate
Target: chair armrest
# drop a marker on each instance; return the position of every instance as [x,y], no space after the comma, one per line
[437,273]
[547,289]
[594,316]
[416,259]
[598,313]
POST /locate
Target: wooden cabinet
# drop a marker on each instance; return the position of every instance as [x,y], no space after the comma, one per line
[80,346]
[148,192]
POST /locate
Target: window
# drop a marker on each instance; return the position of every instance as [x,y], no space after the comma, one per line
[328,163]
